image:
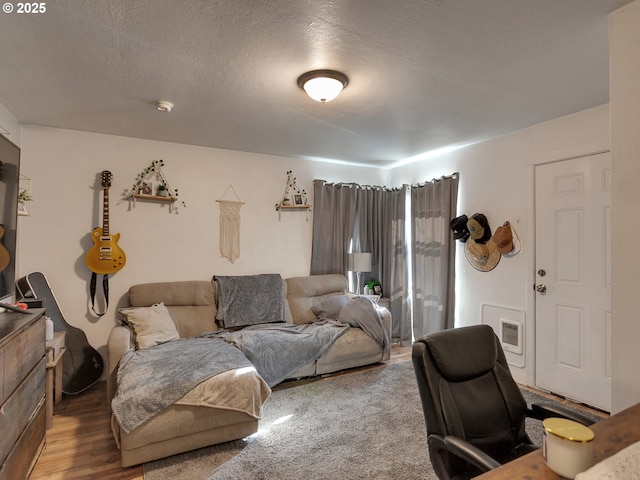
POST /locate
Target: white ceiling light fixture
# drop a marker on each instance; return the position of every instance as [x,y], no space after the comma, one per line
[164,106]
[323,85]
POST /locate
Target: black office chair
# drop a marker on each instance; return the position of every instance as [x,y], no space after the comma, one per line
[474,410]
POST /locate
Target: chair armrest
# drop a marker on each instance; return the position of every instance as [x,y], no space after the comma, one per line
[470,453]
[120,341]
[541,411]
[461,449]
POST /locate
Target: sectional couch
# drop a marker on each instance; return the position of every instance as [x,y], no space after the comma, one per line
[190,424]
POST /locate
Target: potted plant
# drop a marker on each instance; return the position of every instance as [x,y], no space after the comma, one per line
[23,197]
[162,190]
[373,287]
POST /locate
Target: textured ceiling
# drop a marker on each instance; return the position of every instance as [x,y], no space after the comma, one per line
[424,74]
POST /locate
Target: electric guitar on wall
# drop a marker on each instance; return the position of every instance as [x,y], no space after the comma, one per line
[105,257]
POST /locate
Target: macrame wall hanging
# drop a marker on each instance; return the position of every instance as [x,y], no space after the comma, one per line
[230,226]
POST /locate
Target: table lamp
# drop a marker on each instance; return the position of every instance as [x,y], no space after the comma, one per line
[359,263]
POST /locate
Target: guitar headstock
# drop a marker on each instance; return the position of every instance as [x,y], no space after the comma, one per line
[106,178]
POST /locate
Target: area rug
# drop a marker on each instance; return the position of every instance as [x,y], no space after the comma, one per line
[365,424]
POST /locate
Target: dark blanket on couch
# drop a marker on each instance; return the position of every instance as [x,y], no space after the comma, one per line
[249,299]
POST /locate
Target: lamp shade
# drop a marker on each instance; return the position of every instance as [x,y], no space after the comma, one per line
[323,85]
[360,262]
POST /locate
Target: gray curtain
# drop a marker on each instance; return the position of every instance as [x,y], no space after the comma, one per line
[353,218]
[368,228]
[380,229]
[395,278]
[334,214]
[348,218]
[433,205]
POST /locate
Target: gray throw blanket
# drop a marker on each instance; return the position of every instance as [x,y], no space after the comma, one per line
[151,379]
[363,313]
[278,350]
[266,295]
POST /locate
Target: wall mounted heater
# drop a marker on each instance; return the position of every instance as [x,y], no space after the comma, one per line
[511,336]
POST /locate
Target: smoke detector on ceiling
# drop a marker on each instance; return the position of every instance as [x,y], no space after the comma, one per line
[164,106]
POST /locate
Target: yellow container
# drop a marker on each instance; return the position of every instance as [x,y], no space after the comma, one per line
[567,446]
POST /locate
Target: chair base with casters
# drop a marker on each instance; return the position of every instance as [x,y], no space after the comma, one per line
[474,410]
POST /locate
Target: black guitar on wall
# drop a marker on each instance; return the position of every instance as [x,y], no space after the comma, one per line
[82,365]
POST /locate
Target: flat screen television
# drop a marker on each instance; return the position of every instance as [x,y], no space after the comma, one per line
[9,186]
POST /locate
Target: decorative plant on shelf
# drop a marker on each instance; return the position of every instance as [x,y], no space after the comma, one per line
[24,196]
[293,197]
[163,189]
[370,288]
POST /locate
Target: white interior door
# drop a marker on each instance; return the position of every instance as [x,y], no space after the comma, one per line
[573,313]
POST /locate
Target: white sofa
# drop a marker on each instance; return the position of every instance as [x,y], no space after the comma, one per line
[192,306]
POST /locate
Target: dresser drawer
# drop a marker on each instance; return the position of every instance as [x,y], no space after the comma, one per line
[23,456]
[21,355]
[20,406]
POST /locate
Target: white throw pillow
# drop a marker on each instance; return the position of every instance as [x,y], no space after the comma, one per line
[151,325]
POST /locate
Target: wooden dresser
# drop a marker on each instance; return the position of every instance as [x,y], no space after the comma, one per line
[22,388]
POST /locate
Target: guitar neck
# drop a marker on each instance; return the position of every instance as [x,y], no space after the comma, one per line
[105,212]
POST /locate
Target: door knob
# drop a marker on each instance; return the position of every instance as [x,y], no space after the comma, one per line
[542,288]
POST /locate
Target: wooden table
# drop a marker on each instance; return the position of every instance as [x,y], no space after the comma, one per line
[611,435]
[54,350]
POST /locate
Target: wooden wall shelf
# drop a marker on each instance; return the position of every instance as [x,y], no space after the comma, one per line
[293,207]
[145,183]
[293,198]
[157,198]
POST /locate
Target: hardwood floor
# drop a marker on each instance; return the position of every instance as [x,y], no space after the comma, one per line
[80,444]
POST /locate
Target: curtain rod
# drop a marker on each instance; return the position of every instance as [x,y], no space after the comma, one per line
[382,187]
[434,180]
[356,185]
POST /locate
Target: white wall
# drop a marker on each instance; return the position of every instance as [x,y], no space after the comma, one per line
[496,178]
[625,160]
[64,167]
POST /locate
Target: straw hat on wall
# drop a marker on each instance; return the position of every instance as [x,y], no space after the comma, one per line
[482,256]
